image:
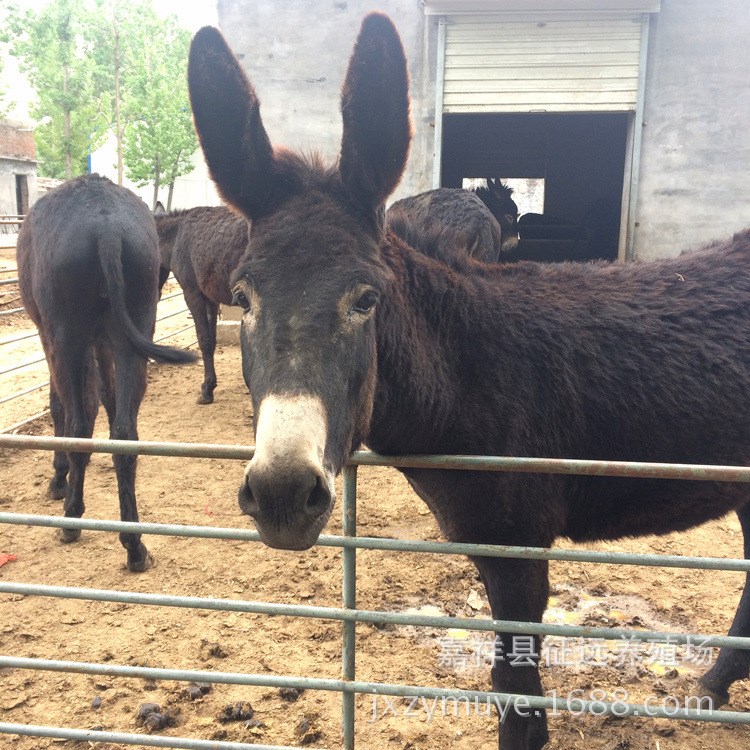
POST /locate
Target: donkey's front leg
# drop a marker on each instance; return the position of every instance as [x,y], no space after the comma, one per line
[517,590]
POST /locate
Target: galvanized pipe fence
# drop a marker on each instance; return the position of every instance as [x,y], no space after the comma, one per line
[12,311]
[349,615]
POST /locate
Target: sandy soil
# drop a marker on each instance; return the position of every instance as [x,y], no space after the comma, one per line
[204,492]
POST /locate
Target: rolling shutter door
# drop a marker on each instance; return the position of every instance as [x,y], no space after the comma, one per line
[541,65]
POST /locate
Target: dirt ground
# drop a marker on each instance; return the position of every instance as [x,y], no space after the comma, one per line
[204,492]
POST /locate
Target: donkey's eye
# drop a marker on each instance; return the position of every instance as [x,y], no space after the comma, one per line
[366,301]
[239,298]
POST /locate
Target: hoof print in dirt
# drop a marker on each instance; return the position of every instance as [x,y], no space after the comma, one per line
[255,727]
[290,694]
[308,730]
[153,719]
[237,712]
[211,650]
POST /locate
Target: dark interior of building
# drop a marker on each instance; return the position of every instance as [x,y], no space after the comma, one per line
[581,158]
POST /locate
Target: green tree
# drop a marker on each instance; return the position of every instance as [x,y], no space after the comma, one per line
[118,38]
[159,135]
[55,50]
[5,103]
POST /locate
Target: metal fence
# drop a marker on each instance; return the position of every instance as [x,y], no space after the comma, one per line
[348,614]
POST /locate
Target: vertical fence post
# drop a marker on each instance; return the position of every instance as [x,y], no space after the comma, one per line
[349,586]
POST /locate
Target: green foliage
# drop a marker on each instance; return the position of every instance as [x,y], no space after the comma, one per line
[54,47]
[106,66]
[6,104]
[159,137]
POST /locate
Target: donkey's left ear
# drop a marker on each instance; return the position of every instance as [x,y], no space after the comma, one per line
[375,110]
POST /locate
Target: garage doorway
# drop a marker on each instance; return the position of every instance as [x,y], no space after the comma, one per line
[576,160]
[22,194]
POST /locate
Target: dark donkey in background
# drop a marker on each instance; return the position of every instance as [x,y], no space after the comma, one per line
[349,336]
[202,246]
[88,274]
[450,223]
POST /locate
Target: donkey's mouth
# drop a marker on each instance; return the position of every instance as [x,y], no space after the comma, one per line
[292,539]
[280,539]
[286,524]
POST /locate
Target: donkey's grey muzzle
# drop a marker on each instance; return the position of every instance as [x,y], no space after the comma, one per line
[289,508]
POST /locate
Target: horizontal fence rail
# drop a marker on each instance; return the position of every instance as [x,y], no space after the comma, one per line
[21,337]
[13,311]
[387,544]
[21,365]
[368,616]
[28,420]
[39,386]
[35,334]
[349,615]
[24,392]
[92,735]
[366,688]
[583,467]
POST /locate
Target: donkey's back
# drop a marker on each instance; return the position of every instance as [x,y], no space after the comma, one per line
[457,223]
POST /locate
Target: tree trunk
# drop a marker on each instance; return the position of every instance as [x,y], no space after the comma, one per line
[172,180]
[66,131]
[118,119]
[157,184]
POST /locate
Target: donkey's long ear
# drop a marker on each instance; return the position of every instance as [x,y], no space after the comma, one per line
[226,112]
[375,110]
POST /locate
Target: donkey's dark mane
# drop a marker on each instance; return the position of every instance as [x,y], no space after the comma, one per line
[309,169]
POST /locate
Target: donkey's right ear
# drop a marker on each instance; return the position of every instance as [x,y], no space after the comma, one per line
[226,112]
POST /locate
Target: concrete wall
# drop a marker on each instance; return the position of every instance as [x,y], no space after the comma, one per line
[17,157]
[695,159]
[695,156]
[296,53]
[9,168]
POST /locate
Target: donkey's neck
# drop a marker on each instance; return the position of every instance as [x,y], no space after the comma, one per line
[439,357]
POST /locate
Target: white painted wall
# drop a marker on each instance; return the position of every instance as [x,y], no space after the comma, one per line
[195,189]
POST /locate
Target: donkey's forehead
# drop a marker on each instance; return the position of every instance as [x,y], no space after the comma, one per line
[313,234]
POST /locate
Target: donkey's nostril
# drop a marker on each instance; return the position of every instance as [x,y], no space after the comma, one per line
[248,503]
[319,499]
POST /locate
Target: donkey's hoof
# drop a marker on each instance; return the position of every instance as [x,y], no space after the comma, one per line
[717,699]
[67,536]
[141,562]
[206,398]
[57,488]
